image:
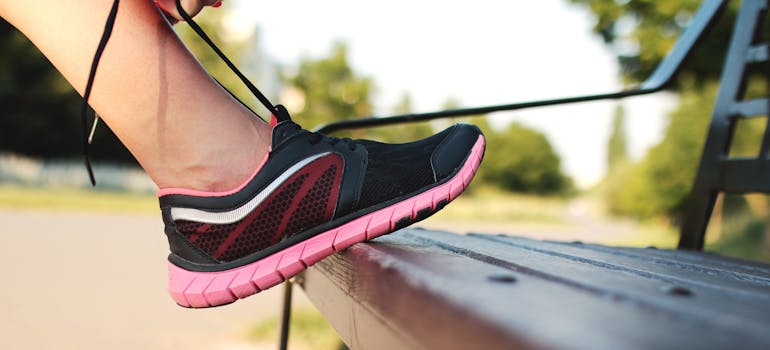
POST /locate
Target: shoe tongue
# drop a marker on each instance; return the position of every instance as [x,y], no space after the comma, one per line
[283,130]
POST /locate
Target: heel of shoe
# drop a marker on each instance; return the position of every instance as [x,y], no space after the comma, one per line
[206,289]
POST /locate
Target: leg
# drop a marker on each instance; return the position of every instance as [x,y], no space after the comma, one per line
[183,128]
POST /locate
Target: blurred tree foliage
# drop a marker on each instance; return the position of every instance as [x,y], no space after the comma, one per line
[39,110]
[617,154]
[331,90]
[660,182]
[517,159]
[213,22]
[401,133]
[39,105]
[642,32]
[520,159]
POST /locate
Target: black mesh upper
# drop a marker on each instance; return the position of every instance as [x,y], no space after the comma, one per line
[394,170]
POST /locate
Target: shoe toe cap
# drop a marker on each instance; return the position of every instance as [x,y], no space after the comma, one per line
[453,150]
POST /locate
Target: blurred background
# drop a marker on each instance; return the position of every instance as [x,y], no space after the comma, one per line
[84,268]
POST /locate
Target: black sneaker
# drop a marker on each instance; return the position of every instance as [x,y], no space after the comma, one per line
[313,195]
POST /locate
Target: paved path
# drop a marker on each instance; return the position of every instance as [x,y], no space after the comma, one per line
[95,281]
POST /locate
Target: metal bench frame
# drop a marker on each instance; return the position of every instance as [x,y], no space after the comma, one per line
[716,172]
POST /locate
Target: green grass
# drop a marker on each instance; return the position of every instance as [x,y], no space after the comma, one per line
[488,205]
[481,207]
[65,199]
[309,330]
[743,237]
[657,235]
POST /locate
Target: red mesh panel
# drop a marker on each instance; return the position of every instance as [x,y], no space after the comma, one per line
[305,200]
[259,230]
[315,207]
[205,236]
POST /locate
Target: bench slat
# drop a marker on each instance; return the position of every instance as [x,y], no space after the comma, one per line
[717,280]
[435,290]
[704,259]
[647,288]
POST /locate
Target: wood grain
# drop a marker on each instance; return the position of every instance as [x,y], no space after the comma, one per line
[418,289]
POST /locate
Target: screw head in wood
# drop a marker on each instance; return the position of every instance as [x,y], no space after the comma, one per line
[502,278]
[676,291]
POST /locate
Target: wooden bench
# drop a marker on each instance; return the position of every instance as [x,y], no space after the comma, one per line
[419,289]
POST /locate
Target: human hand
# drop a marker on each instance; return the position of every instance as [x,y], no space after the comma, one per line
[192,7]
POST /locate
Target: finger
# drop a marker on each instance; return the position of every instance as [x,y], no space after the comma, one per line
[192,7]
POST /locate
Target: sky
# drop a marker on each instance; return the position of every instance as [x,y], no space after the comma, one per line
[478,53]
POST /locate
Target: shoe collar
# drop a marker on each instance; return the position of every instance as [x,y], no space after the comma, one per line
[280,114]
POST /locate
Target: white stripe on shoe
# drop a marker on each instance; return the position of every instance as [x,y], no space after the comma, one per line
[229,217]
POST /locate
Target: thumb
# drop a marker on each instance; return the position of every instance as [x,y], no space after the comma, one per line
[192,7]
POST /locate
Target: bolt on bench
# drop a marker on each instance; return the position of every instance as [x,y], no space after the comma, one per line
[420,289]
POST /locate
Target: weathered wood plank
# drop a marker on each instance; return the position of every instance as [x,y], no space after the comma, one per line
[382,295]
[724,281]
[692,257]
[429,290]
[649,289]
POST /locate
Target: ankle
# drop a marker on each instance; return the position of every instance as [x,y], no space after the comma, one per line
[219,168]
[222,176]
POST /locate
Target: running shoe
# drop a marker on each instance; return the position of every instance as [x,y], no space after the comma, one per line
[312,196]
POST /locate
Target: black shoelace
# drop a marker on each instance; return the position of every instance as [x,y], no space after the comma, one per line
[279,112]
[315,138]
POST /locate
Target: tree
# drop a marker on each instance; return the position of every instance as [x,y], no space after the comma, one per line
[213,24]
[331,90]
[40,114]
[659,184]
[616,147]
[521,159]
[643,31]
[40,110]
[401,133]
[517,159]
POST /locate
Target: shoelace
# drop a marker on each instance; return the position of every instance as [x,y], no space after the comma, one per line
[278,111]
[90,84]
[315,138]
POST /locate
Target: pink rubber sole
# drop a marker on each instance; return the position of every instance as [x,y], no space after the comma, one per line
[205,289]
